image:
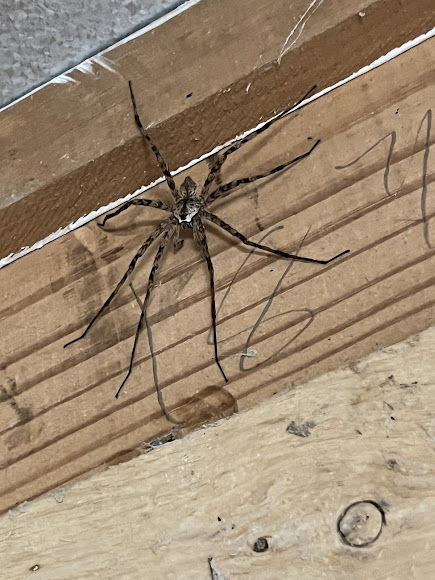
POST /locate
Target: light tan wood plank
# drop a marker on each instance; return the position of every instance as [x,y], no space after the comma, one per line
[286,470]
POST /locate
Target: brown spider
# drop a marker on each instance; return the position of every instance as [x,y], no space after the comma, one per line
[188,211]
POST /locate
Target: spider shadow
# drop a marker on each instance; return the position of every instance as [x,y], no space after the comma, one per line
[132,224]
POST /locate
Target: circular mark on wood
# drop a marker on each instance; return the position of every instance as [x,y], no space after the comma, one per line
[261,545]
[361,523]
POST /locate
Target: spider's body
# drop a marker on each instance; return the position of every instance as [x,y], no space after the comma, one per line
[191,211]
[189,204]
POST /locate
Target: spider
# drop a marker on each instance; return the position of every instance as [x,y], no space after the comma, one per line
[190,210]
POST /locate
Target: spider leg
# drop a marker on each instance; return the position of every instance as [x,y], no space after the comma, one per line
[225,189]
[214,170]
[162,163]
[145,202]
[201,239]
[130,269]
[153,271]
[219,222]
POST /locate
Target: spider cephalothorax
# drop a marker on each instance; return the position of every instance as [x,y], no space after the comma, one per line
[191,210]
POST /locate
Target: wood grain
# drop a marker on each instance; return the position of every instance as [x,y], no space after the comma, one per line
[337,474]
[58,415]
[72,148]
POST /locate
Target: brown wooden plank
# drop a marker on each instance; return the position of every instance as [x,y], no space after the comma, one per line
[286,470]
[71,148]
[59,418]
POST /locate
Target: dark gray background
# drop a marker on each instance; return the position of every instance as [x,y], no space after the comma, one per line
[40,39]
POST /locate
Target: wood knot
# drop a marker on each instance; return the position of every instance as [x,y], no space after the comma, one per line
[361,523]
[260,545]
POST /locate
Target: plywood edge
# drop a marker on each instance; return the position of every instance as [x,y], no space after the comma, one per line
[73,148]
[335,478]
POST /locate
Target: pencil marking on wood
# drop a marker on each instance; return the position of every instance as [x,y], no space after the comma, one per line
[427,117]
[246,349]
[393,137]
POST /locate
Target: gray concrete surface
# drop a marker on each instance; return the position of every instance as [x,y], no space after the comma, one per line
[40,39]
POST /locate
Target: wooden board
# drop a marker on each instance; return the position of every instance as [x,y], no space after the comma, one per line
[59,417]
[337,474]
[72,148]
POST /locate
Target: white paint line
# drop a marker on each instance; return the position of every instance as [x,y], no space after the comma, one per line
[105,63]
[61,79]
[64,77]
[85,219]
[85,67]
